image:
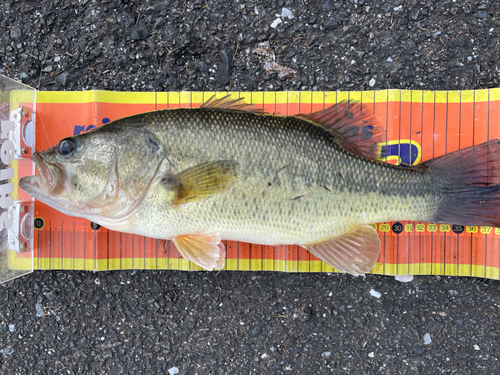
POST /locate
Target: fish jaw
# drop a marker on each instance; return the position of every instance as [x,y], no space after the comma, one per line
[46,185]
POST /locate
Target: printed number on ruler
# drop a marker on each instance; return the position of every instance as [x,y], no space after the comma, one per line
[471,229]
[486,230]
[444,227]
[385,227]
[432,227]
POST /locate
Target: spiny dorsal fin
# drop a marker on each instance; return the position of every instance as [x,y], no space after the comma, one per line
[201,181]
[227,103]
[355,127]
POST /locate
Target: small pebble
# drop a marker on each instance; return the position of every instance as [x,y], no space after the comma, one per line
[12,327]
[287,13]
[375,294]
[170,33]
[427,339]
[326,354]
[139,32]
[401,278]
[16,32]
[8,351]
[39,310]
[331,24]
[173,370]
[276,22]
[225,68]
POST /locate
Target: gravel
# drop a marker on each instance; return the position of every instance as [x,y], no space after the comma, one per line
[199,323]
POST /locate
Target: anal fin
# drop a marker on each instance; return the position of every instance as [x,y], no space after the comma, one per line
[354,252]
[206,251]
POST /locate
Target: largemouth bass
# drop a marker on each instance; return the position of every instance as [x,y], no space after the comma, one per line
[227,171]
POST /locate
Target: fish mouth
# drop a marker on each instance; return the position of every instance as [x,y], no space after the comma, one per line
[50,181]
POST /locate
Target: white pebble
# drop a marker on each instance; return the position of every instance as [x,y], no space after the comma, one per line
[173,370]
[427,339]
[326,354]
[12,327]
[372,82]
[375,294]
[285,12]
[276,22]
[371,354]
[476,347]
[404,278]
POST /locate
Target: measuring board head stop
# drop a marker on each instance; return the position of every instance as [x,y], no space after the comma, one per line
[17,133]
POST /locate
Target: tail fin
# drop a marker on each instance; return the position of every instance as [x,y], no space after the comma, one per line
[468,183]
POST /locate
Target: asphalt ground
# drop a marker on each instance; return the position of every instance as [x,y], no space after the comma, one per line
[246,322]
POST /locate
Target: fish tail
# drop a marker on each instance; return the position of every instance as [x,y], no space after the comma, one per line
[467,184]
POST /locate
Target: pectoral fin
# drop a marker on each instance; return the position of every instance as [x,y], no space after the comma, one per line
[201,181]
[354,252]
[206,251]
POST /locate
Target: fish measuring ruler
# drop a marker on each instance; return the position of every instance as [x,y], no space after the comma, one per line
[420,125]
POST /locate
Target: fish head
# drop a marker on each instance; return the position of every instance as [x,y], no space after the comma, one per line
[99,175]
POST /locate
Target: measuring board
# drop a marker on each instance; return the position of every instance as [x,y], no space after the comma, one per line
[420,125]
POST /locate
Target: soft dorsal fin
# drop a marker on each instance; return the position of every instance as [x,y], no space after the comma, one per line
[355,127]
[227,102]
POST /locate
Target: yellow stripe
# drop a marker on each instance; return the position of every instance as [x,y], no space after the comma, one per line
[355,96]
[416,96]
[268,97]
[254,264]
[454,97]
[494,94]
[124,97]
[318,97]
[441,96]
[257,98]
[65,96]
[428,97]
[305,97]
[368,96]
[394,95]
[467,96]
[281,97]
[22,96]
[198,97]
[481,96]
[293,96]
[244,264]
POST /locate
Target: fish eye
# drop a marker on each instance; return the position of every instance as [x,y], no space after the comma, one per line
[65,147]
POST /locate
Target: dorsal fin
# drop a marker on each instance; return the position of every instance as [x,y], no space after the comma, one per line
[355,127]
[228,103]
